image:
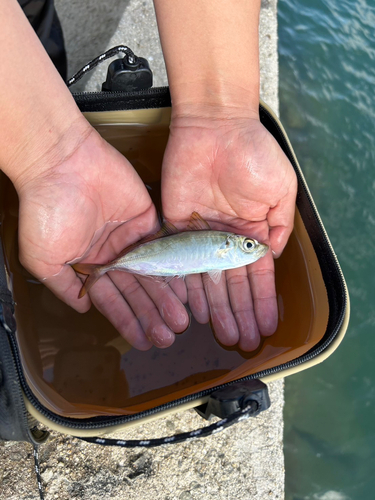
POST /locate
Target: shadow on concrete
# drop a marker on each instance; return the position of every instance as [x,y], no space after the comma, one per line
[88,27]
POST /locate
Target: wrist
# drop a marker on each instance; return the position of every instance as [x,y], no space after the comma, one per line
[40,123]
[211,50]
[50,144]
[217,101]
[230,109]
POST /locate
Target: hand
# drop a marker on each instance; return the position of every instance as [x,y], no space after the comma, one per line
[94,192]
[234,174]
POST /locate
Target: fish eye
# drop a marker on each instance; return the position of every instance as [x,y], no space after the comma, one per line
[248,244]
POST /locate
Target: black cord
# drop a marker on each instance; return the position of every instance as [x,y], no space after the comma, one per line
[37,472]
[132,59]
[183,436]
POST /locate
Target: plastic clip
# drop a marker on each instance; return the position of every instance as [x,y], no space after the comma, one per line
[129,74]
[224,402]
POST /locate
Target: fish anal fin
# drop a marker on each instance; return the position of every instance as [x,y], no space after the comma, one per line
[215,275]
[163,280]
[197,223]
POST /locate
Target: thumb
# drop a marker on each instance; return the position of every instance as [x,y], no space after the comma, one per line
[278,239]
[281,221]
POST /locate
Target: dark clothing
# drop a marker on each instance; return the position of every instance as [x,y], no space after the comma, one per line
[43,18]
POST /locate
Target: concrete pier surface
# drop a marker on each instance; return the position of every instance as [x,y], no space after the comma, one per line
[244,462]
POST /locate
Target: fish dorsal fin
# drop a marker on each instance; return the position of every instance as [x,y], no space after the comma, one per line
[128,249]
[197,223]
[166,230]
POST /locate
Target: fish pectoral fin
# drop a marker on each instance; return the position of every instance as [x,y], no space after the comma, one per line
[197,223]
[215,275]
[222,252]
[225,248]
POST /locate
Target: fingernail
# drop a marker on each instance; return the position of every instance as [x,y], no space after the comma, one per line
[163,337]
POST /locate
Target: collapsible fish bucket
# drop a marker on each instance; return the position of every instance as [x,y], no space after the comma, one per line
[78,376]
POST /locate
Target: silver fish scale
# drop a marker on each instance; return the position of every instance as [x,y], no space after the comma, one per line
[184,253]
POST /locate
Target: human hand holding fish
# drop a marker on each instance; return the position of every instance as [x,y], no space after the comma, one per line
[235,175]
[60,211]
[72,185]
[229,275]
[220,161]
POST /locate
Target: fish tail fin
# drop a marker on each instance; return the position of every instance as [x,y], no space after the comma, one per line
[94,273]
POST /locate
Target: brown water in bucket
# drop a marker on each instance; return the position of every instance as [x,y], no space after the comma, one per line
[79,366]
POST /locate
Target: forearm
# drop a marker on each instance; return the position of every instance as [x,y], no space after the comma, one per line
[40,123]
[211,50]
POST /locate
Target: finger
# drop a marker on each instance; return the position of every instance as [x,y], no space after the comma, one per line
[242,307]
[278,239]
[196,296]
[178,285]
[144,309]
[110,302]
[223,321]
[262,282]
[66,286]
[168,304]
[281,220]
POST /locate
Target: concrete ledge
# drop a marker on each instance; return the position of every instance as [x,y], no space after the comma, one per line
[244,462]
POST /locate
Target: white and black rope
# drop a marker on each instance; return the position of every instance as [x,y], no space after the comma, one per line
[37,472]
[251,409]
[132,59]
[183,436]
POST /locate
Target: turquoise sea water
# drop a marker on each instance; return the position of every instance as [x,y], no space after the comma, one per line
[327,102]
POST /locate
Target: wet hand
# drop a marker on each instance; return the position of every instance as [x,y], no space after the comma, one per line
[233,173]
[96,193]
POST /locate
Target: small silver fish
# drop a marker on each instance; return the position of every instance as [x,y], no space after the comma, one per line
[170,253]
